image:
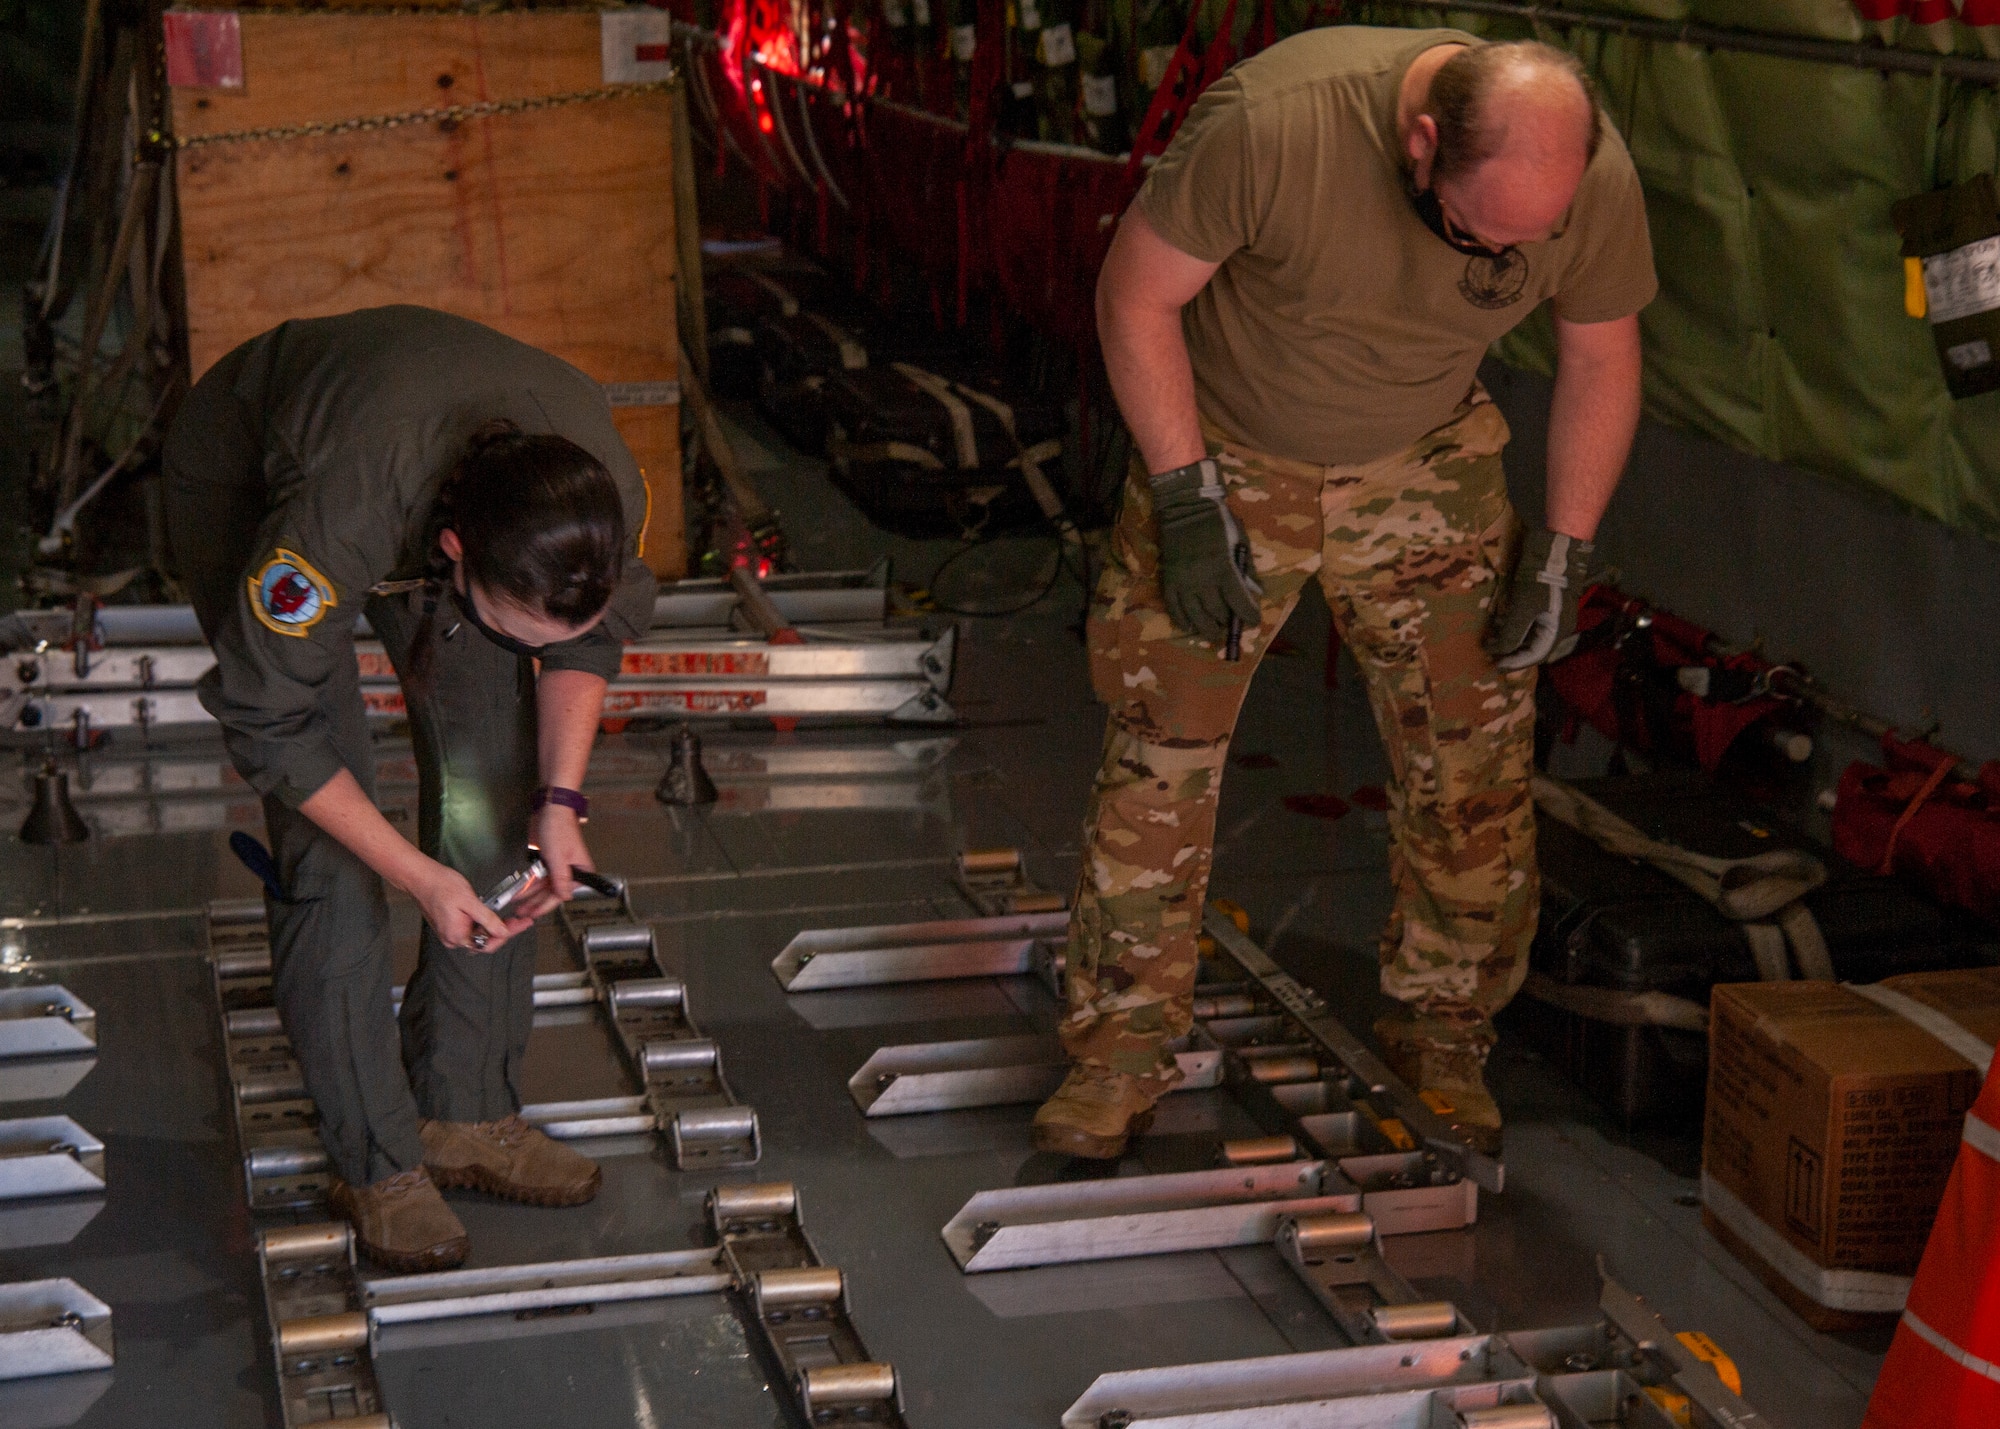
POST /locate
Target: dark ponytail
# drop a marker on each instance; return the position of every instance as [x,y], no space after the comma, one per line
[540,519]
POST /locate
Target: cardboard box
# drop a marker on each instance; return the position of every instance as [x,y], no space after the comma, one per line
[1832,1124]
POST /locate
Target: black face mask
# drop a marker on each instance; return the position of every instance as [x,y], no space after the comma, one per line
[1431,211]
[505,642]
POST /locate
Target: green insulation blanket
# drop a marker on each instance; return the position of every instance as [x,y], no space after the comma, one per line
[1780,327]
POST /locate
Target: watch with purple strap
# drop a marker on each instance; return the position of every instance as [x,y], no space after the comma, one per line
[568,798]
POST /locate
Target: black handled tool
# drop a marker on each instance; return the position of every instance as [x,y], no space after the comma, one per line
[1232,648]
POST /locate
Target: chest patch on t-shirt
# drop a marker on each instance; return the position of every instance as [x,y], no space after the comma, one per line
[1494,280]
[288,595]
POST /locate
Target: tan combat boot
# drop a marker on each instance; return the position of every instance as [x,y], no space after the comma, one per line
[402,1223]
[508,1158]
[1095,1112]
[1449,1076]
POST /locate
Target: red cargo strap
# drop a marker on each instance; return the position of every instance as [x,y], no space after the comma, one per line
[1929,787]
[1188,74]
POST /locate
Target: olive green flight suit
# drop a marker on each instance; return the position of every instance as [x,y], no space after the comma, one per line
[301,472]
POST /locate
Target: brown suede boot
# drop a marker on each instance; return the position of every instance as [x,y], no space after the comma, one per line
[1096,1112]
[508,1158]
[1449,1076]
[401,1222]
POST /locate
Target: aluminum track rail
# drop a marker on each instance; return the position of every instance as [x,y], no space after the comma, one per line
[326,1318]
[899,679]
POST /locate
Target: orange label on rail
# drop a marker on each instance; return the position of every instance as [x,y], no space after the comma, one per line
[697,662]
[631,702]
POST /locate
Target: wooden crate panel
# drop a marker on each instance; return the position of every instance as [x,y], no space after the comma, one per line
[330,66]
[654,435]
[555,226]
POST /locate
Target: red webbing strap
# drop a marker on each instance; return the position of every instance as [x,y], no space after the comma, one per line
[1186,77]
[1937,776]
[988,61]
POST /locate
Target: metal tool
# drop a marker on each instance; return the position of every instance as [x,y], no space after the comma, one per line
[1232,647]
[509,889]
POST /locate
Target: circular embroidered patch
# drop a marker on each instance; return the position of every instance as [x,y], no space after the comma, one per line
[1494,280]
[288,595]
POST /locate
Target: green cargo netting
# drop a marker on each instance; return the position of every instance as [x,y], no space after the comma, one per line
[1780,326]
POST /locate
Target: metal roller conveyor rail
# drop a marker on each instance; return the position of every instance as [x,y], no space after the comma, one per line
[1418,1365]
[1344,1059]
[678,1070]
[799,1305]
[679,1092]
[326,1318]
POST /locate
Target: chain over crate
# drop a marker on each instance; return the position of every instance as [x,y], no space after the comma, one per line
[453,113]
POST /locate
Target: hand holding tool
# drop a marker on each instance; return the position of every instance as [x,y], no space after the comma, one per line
[1535,617]
[508,891]
[1201,582]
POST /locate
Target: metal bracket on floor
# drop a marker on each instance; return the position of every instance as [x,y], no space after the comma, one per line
[48,1156]
[1266,1037]
[45,1022]
[1071,1221]
[326,1317]
[52,1327]
[1600,1373]
[820,959]
[48,1043]
[679,1069]
[996,882]
[993,1071]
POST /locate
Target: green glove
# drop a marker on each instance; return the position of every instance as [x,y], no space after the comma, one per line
[1204,557]
[1535,620]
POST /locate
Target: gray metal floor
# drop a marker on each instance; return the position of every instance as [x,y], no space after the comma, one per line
[118,921]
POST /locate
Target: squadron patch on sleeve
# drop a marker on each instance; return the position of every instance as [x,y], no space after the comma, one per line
[288,595]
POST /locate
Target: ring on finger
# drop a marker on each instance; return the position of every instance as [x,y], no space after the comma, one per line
[480,938]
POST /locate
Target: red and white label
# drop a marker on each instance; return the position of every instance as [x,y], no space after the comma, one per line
[204,49]
[637,45]
[696,662]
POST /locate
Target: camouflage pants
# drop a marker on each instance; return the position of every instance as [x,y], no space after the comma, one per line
[1407,550]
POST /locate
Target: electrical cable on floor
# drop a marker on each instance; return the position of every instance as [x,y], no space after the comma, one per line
[1055,574]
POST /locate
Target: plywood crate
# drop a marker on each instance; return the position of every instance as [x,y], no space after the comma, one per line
[552,221]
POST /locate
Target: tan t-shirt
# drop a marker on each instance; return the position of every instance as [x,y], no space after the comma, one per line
[1339,328]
